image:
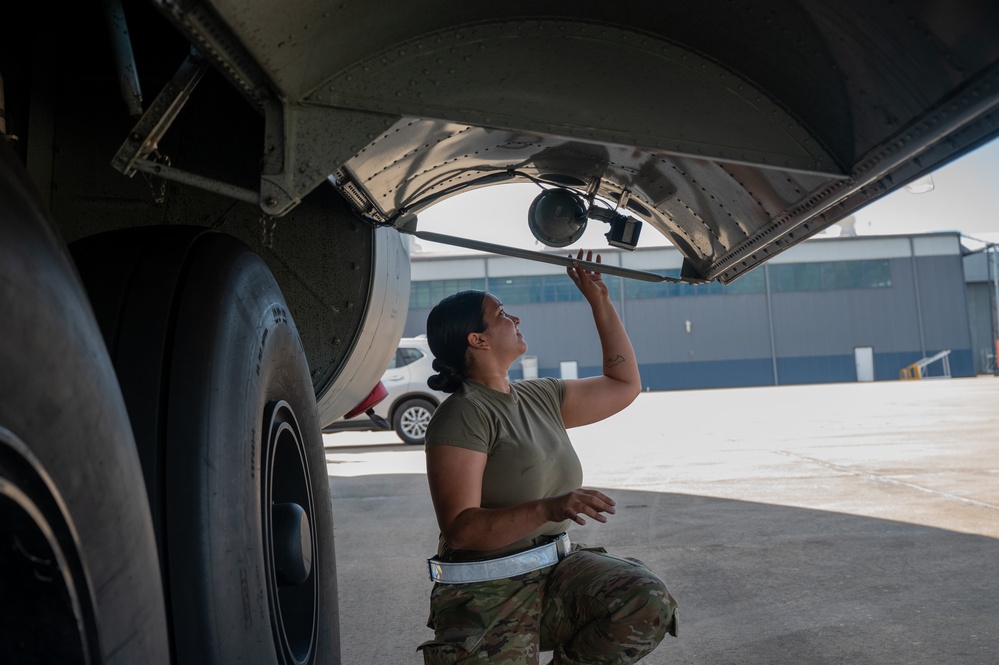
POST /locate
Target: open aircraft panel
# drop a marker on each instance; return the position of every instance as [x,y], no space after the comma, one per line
[734,129]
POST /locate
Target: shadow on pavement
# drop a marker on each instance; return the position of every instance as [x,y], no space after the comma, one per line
[756,583]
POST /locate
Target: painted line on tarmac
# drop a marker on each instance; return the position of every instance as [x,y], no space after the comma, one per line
[883,479]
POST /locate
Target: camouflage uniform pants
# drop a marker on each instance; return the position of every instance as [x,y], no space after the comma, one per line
[592,607]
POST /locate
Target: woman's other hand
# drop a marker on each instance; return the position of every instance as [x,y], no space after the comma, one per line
[573,505]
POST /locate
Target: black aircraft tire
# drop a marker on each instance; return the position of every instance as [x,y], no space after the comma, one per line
[79,572]
[217,381]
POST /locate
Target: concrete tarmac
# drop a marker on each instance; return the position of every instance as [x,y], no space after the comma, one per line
[846,523]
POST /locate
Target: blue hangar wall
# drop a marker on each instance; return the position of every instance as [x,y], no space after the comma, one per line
[800,318]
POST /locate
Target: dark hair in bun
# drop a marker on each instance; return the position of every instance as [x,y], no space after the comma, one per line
[448,325]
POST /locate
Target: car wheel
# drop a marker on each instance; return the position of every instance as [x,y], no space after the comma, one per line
[411,420]
[219,393]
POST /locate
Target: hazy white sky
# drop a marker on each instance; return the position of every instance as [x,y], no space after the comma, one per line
[965,198]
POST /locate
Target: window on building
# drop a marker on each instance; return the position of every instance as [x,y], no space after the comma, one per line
[427,293]
[528,289]
[749,283]
[784,277]
[752,282]
[795,277]
[827,275]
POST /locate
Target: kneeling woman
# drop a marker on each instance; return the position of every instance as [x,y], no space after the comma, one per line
[506,484]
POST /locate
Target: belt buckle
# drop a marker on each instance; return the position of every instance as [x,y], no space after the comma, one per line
[562,545]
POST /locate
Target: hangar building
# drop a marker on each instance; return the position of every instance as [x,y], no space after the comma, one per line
[840,309]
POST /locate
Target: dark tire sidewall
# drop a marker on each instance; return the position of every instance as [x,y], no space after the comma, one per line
[236,351]
[62,400]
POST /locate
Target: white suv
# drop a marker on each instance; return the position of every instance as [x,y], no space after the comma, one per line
[410,402]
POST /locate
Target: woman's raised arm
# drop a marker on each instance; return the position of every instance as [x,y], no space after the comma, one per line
[592,399]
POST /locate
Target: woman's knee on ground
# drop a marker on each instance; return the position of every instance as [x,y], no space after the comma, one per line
[631,595]
[636,613]
[646,606]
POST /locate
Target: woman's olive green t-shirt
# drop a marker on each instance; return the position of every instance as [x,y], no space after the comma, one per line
[529,455]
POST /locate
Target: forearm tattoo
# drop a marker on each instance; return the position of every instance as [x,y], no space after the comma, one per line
[616,360]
